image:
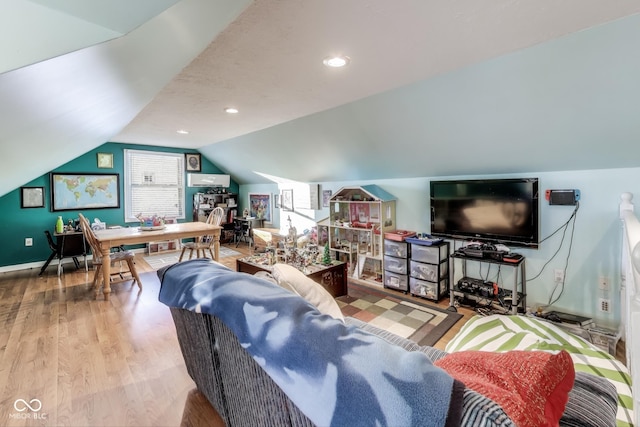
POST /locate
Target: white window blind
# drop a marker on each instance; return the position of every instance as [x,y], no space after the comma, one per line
[154,184]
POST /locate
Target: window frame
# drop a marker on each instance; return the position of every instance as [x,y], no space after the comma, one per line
[129,215]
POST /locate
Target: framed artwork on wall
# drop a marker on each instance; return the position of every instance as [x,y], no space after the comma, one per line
[287,200]
[260,206]
[326,196]
[75,191]
[105,160]
[193,162]
[31,197]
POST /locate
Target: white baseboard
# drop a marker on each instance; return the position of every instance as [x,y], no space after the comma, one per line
[39,264]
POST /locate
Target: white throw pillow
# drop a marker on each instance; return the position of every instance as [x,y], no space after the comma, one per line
[294,280]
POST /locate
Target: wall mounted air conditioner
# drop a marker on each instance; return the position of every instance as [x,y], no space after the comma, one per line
[207,180]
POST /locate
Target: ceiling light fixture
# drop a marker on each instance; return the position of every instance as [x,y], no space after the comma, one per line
[231,110]
[336,61]
[182,132]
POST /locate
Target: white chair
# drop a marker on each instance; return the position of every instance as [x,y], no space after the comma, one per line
[205,243]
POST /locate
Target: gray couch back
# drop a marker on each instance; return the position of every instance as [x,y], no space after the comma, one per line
[240,391]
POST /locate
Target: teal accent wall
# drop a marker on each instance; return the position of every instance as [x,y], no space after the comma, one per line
[16,223]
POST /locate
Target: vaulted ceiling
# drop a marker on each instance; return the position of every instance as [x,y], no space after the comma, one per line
[433,88]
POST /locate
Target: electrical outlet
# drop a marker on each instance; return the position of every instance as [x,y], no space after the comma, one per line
[603,283]
[558,275]
[28,241]
[605,305]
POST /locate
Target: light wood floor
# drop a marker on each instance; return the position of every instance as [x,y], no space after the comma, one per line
[93,362]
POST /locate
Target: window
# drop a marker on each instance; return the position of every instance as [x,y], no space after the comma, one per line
[153,184]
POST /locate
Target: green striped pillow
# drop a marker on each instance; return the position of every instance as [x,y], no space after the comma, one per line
[504,333]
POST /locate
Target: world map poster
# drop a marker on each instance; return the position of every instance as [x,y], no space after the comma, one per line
[84,191]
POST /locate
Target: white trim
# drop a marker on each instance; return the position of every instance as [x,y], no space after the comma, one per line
[39,264]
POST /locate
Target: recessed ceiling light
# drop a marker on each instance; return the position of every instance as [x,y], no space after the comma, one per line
[336,61]
[182,132]
[231,110]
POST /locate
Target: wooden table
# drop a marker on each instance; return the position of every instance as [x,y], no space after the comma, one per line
[333,277]
[114,237]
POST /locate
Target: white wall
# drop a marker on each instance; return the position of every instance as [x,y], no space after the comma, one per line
[594,252]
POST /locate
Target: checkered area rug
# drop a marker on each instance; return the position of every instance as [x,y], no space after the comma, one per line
[422,324]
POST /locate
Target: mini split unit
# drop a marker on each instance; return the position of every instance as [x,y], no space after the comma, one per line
[207,180]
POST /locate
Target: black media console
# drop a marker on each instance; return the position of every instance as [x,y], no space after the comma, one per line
[488,293]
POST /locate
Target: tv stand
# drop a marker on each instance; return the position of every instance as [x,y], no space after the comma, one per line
[477,290]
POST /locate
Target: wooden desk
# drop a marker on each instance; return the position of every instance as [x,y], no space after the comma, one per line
[115,237]
[333,277]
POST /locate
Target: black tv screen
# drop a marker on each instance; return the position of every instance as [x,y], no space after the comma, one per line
[490,210]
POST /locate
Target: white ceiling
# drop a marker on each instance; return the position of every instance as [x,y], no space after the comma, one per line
[36,30]
[431,83]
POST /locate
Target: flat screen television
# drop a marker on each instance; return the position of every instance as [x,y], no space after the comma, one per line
[489,210]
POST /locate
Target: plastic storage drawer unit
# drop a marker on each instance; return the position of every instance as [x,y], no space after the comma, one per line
[429,268]
[396,264]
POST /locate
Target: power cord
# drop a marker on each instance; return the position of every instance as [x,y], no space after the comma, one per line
[573,214]
[566,266]
[564,228]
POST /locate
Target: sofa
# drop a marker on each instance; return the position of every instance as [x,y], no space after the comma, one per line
[264,354]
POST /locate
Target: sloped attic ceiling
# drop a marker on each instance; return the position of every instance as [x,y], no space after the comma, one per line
[567,104]
[427,82]
[58,109]
[433,88]
[37,30]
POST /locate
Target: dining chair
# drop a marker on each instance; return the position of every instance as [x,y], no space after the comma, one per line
[205,243]
[114,257]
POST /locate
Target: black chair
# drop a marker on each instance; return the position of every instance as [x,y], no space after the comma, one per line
[73,246]
[242,231]
[55,252]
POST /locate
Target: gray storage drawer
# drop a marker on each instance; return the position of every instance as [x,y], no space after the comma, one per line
[431,272]
[396,281]
[431,254]
[396,249]
[430,290]
[395,265]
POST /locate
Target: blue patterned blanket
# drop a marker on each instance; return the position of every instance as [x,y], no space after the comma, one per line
[337,375]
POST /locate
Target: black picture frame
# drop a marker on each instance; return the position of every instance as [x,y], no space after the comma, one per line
[101,191]
[31,197]
[193,162]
